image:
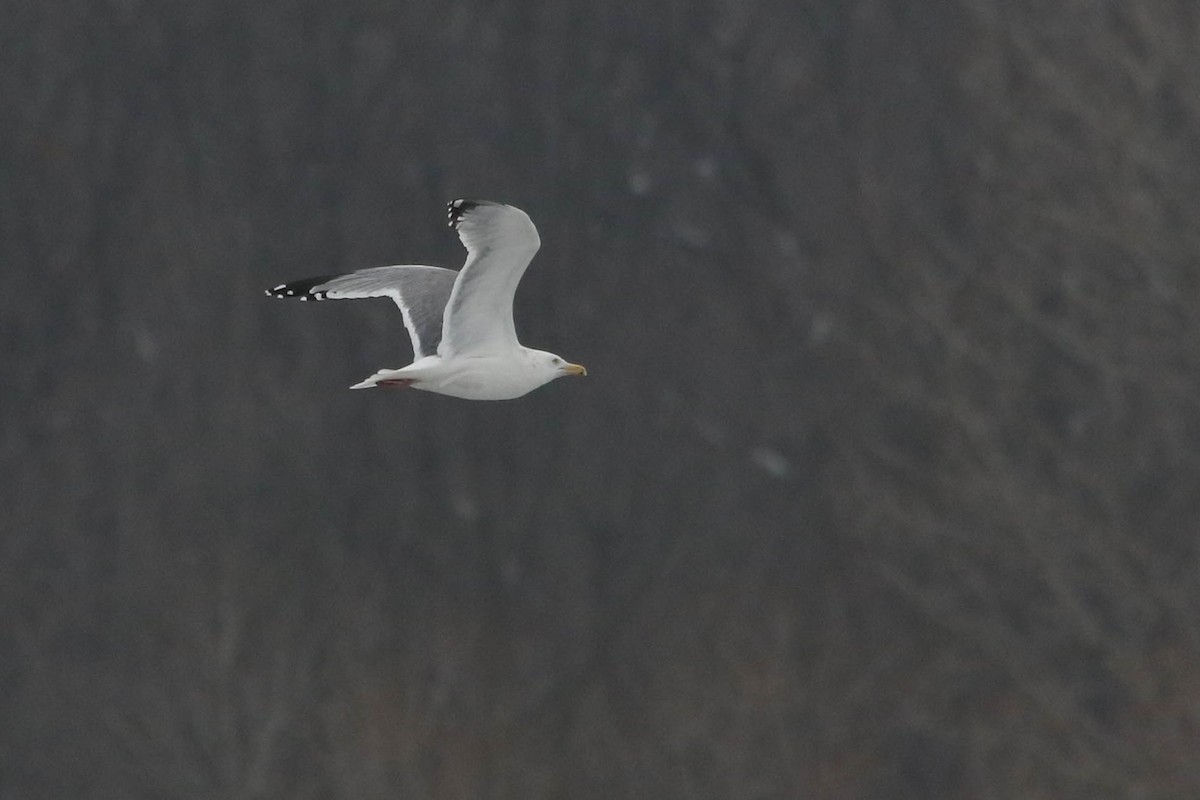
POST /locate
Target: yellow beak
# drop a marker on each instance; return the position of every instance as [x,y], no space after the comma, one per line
[575,369]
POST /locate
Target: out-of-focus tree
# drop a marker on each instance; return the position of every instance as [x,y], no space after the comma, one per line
[880,485]
[1026,459]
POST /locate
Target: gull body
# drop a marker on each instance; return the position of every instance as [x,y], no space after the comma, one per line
[461,324]
[481,377]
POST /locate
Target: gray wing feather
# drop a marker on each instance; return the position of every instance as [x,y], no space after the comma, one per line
[500,242]
[420,292]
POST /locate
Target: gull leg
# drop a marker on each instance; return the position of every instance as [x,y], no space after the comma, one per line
[396,383]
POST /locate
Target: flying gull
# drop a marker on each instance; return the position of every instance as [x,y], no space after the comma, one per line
[461,323]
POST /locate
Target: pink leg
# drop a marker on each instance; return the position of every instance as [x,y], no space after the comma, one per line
[396,383]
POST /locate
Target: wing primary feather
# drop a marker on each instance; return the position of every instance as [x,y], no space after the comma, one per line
[302,289]
[456,209]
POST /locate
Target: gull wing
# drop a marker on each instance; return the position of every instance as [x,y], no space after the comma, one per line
[500,242]
[421,293]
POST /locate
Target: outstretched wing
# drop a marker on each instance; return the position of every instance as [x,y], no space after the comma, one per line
[421,293]
[500,242]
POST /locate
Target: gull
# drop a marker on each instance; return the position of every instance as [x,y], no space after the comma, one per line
[461,323]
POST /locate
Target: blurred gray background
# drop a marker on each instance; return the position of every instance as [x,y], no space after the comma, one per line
[883,484]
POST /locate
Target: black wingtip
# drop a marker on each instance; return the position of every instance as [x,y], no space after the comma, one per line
[456,208]
[303,290]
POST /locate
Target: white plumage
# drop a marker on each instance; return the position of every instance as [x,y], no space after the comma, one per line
[461,323]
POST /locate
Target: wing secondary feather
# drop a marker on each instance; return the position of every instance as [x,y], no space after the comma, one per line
[420,292]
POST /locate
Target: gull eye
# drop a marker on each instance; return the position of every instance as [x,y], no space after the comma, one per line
[558,361]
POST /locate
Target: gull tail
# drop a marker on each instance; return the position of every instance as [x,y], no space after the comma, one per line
[390,378]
